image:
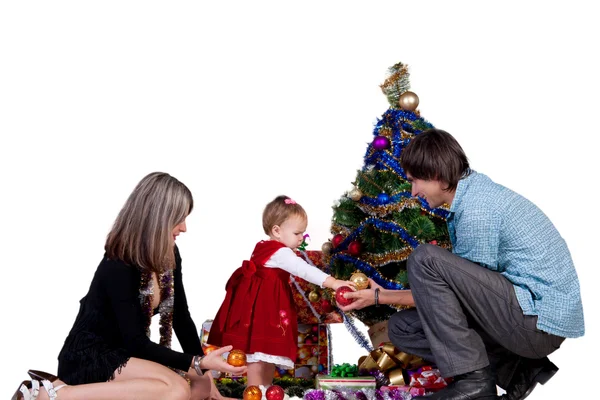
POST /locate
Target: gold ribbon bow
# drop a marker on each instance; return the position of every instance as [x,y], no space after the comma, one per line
[391,362]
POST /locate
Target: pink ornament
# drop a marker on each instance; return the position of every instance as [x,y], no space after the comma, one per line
[282,314]
[381,143]
[433,242]
[285,321]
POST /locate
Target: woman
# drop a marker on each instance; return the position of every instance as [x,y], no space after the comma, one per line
[108,353]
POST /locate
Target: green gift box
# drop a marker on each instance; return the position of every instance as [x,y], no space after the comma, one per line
[327,382]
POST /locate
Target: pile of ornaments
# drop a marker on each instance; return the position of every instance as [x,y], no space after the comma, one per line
[273,392]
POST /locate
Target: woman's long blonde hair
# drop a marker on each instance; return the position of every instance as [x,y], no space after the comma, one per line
[141,234]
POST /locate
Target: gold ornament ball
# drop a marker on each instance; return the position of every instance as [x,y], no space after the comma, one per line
[313,296]
[360,280]
[408,101]
[355,194]
[252,393]
[326,248]
[236,358]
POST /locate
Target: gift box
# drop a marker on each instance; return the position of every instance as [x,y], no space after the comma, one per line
[206,348]
[413,391]
[378,334]
[388,365]
[326,382]
[428,378]
[312,312]
[314,353]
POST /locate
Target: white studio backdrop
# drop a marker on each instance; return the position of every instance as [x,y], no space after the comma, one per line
[243,101]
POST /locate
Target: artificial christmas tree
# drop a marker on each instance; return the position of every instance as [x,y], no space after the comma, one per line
[377,224]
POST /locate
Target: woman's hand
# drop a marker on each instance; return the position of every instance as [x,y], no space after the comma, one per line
[214,360]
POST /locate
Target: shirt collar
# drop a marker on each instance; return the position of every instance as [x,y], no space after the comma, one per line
[461,188]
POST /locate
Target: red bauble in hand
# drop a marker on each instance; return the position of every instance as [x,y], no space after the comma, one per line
[275,393]
[337,239]
[339,296]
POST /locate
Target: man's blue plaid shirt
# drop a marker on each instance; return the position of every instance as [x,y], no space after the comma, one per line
[501,230]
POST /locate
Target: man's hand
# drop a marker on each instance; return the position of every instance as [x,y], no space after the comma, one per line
[374,285]
[362,298]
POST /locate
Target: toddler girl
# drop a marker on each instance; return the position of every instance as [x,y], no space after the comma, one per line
[258,314]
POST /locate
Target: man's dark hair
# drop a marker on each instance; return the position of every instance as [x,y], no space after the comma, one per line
[435,155]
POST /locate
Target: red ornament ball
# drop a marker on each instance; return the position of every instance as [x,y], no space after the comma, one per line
[339,296]
[337,240]
[433,242]
[354,248]
[275,393]
[326,305]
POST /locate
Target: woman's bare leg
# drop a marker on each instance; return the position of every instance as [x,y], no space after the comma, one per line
[201,387]
[138,380]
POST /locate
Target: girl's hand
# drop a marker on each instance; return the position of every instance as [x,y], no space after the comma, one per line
[214,360]
[335,284]
[339,283]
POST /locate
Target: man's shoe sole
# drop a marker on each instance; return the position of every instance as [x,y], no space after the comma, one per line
[542,377]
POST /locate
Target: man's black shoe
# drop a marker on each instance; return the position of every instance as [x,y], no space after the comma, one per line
[479,384]
[527,376]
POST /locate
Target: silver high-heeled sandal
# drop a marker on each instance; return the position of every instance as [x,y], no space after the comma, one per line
[50,389]
[47,381]
[41,375]
[27,390]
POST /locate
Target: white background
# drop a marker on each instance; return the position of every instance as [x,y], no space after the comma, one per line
[243,101]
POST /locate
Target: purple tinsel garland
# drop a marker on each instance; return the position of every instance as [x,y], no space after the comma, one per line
[365,394]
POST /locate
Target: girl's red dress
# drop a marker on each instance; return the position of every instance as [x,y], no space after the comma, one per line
[258,313]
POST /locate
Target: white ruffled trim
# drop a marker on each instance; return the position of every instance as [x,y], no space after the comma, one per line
[280,361]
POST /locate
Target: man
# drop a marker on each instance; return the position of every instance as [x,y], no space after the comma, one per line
[507,296]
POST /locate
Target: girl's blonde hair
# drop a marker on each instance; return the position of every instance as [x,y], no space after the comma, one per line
[280,209]
[142,233]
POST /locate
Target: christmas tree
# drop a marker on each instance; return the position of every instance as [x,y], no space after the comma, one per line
[377,224]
